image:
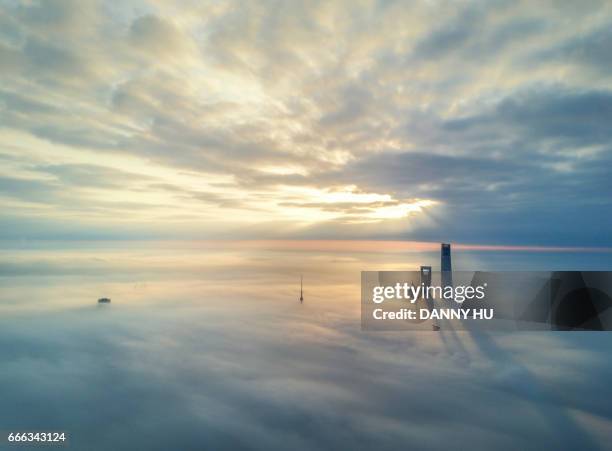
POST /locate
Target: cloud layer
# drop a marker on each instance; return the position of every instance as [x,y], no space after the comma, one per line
[476,121]
[195,352]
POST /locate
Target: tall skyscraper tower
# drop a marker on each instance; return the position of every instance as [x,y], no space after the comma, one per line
[426,282]
[445,265]
[426,275]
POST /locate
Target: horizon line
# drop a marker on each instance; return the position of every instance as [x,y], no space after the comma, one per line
[348,245]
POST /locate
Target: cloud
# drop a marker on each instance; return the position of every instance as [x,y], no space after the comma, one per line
[585,51]
[92,175]
[157,37]
[316,382]
[477,107]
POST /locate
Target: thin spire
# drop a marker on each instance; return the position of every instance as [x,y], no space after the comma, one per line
[301,288]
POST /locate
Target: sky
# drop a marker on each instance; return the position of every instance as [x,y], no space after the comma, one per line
[472,122]
[337,136]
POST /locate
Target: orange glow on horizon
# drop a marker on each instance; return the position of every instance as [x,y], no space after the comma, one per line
[384,246]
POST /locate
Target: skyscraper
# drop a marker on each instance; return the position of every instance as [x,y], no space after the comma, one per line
[426,282]
[426,275]
[445,265]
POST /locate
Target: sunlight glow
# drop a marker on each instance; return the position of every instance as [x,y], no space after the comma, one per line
[401,210]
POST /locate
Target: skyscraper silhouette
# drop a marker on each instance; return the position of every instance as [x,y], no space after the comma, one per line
[445,265]
[426,282]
